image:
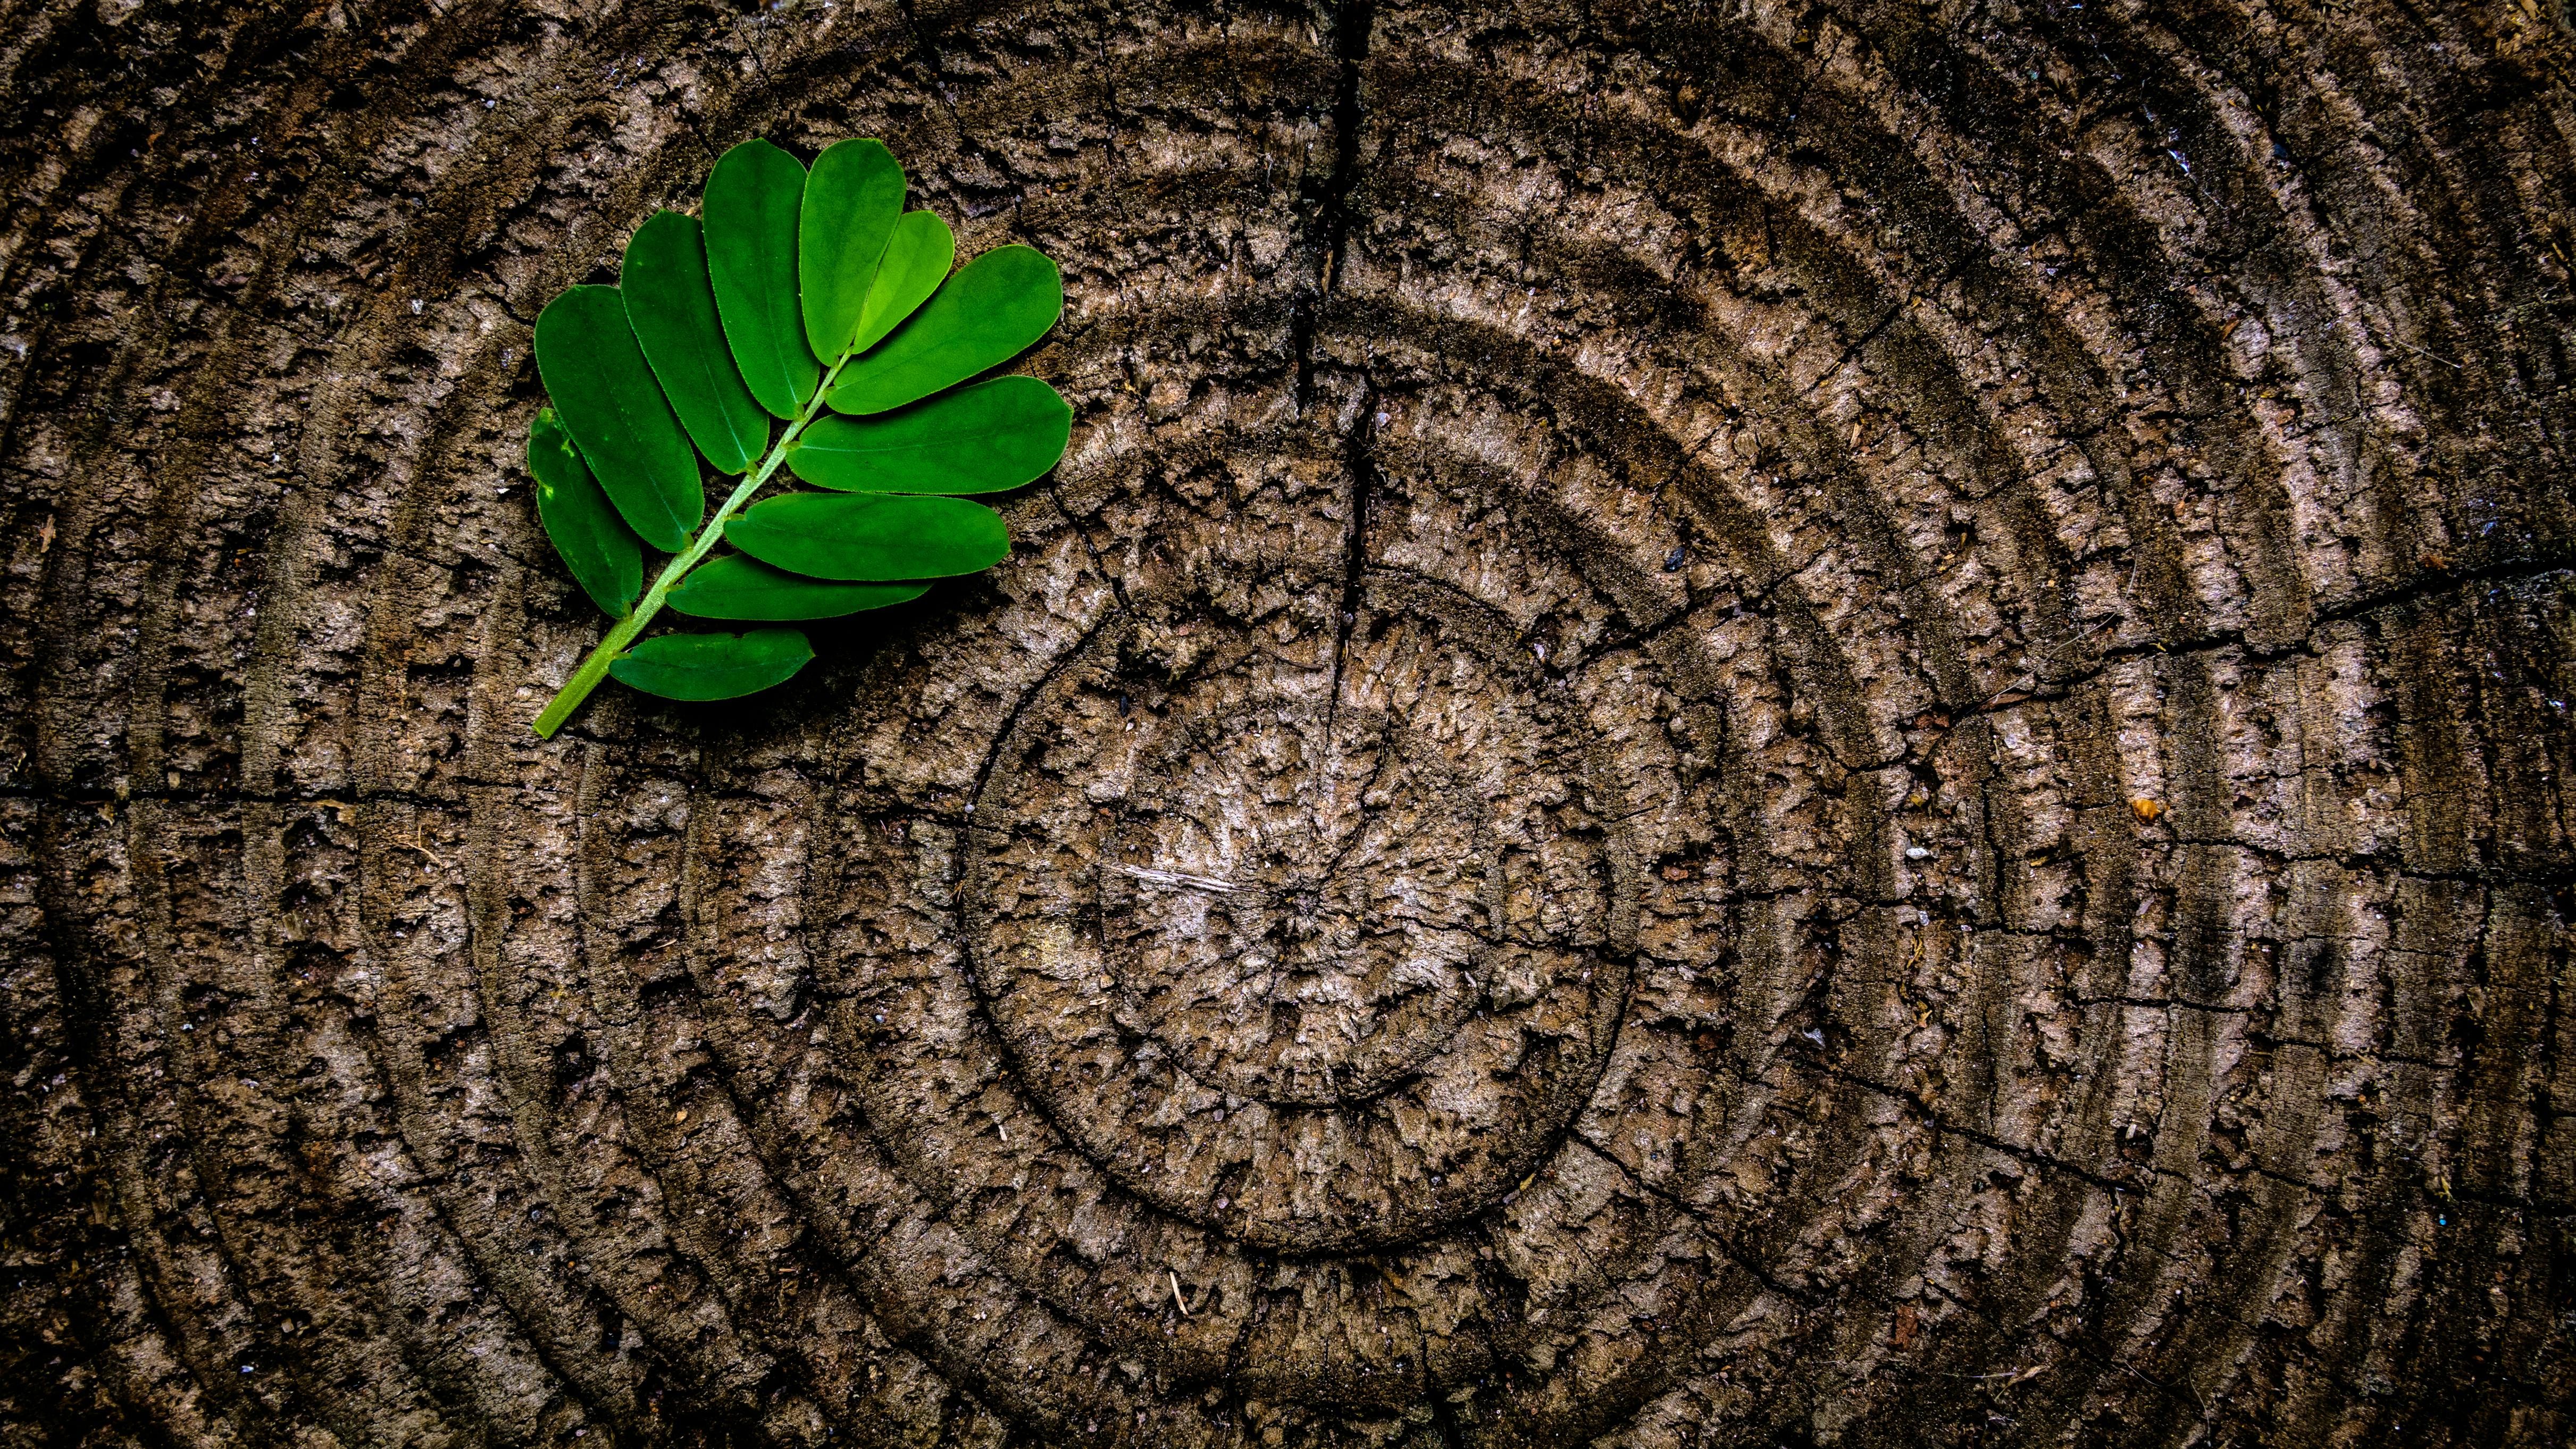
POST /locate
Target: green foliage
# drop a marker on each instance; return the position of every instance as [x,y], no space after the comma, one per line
[752,201]
[794,291]
[671,304]
[605,393]
[740,587]
[596,544]
[712,666]
[989,312]
[851,204]
[917,258]
[979,439]
[871,536]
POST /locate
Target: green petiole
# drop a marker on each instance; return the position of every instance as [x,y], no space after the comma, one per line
[594,667]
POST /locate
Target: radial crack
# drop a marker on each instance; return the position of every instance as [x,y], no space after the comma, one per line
[1359,458]
[1351,22]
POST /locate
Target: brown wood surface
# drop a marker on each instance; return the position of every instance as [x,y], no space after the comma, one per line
[1736,724]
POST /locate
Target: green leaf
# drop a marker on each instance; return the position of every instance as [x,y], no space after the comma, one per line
[994,307]
[712,666]
[916,261]
[979,439]
[735,587]
[851,202]
[605,393]
[751,205]
[672,307]
[865,536]
[729,323]
[595,543]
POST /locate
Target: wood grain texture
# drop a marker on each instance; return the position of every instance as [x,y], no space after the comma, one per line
[1735,725]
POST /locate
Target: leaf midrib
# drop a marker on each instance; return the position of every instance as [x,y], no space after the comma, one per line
[594,668]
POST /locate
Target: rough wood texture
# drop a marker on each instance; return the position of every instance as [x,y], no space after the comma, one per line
[1736,725]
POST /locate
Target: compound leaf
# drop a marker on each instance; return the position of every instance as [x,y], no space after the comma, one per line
[672,306]
[737,587]
[595,543]
[979,439]
[751,206]
[849,210]
[995,306]
[917,258]
[722,325]
[606,396]
[871,536]
[712,666]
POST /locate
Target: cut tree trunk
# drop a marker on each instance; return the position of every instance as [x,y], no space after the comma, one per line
[1735,725]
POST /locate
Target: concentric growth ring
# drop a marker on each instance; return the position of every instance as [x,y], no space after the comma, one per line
[1811,726]
[1332,886]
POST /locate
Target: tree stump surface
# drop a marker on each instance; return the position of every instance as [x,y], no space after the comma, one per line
[1736,724]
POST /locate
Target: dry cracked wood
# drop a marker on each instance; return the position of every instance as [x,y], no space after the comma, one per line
[1736,725]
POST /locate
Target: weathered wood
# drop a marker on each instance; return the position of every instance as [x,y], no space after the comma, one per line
[1735,725]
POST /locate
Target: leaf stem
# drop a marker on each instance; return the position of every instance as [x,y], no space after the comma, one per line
[594,667]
